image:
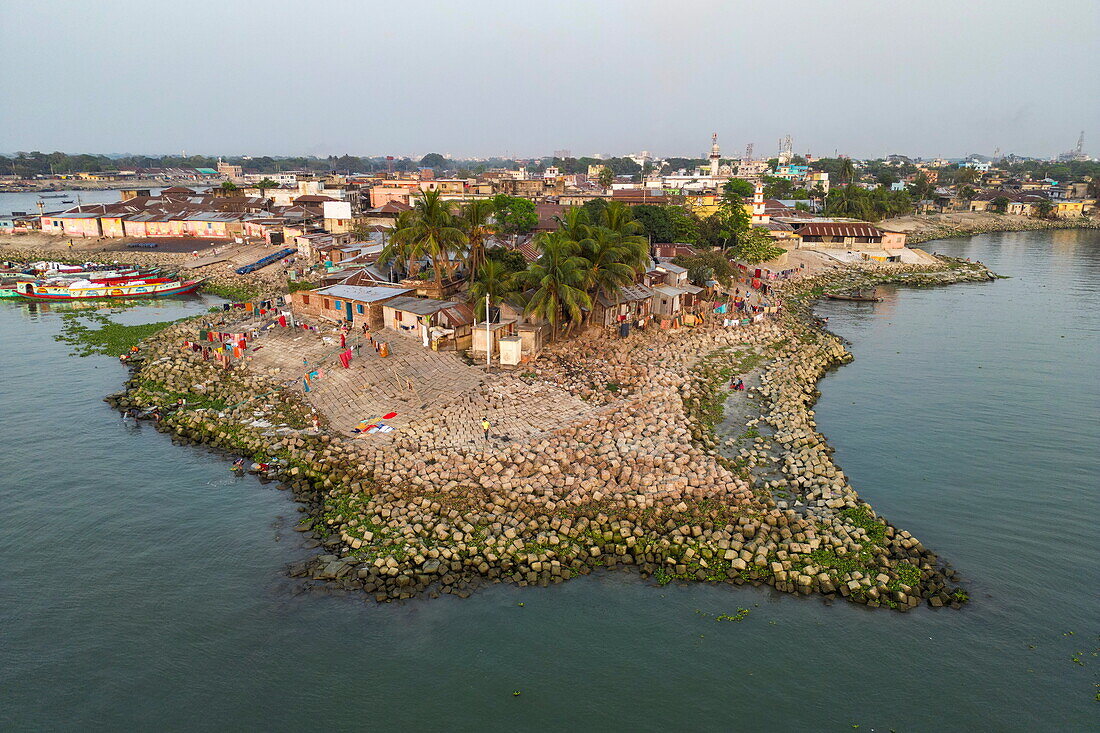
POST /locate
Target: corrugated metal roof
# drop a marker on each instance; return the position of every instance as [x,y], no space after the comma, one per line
[419,306]
[838,229]
[362,293]
[628,294]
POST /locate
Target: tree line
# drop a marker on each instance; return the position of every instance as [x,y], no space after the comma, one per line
[596,251]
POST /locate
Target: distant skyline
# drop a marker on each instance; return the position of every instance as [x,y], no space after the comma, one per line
[511,79]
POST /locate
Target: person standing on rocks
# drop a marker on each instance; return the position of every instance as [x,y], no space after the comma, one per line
[485,426]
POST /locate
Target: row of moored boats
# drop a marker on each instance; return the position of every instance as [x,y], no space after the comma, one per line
[54,281]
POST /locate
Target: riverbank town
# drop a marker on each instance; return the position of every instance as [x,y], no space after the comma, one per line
[529,374]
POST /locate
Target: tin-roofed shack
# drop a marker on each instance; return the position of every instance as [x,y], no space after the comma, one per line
[355,304]
[440,324]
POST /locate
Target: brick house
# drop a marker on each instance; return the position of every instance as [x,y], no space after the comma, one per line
[354,304]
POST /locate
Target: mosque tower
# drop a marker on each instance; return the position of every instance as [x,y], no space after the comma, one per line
[758,208]
[715,155]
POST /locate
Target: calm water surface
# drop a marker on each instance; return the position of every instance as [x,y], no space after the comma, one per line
[143,584]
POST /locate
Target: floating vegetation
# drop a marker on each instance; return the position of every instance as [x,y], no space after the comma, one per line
[110,339]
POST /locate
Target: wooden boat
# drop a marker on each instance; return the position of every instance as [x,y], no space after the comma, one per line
[86,289]
[857,296]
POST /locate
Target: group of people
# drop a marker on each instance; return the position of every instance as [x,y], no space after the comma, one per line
[737,385]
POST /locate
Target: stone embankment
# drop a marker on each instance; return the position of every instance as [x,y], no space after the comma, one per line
[641,482]
[927,227]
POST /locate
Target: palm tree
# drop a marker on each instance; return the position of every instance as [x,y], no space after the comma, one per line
[402,246]
[574,223]
[558,277]
[847,172]
[475,220]
[492,279]
[610,262]
[618,218]
[432,231]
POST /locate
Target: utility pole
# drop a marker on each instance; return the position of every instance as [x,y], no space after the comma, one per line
[488,339]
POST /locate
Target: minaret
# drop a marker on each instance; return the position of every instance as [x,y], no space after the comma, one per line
[758,215]
[715,155]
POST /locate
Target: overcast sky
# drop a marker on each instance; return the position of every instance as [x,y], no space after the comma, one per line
[518,78]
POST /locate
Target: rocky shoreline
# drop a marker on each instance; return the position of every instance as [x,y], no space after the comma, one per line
[643,483]
[928,227]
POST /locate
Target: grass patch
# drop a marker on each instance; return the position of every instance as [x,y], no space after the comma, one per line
[241,293]
[110,339]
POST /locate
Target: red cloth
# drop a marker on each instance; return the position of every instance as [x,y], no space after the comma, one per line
[282,321]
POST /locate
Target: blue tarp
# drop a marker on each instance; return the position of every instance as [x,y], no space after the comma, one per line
[264,261]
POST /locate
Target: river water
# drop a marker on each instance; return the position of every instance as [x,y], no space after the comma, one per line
[142,583]
[27,202]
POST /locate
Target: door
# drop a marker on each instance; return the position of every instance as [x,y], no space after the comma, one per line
[348,306]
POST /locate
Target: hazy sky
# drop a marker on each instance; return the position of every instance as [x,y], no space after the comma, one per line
[481,77]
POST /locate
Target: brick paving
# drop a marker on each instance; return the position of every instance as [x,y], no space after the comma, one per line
[439,399]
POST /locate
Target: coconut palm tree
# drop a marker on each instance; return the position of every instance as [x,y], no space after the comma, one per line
[492,279]
[432,230]
[618,219]
[609,263]
[847,172]
[401,246]
[574,223]
[475,220]
[558,277]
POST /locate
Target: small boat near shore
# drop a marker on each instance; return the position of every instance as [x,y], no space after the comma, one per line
[857,296]
[68,290]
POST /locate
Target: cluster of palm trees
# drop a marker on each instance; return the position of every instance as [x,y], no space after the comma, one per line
[432,229]
[874,205]
[589,256]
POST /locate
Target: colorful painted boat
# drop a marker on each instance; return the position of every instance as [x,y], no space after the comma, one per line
[86,289]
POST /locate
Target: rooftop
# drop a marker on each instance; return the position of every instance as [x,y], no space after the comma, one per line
[361,293]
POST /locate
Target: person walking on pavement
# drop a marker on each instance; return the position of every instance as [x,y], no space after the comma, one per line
[485,426]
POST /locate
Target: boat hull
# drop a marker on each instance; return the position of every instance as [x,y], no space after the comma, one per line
[109,292]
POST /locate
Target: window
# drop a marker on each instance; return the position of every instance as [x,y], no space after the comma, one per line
[336,305]
[305,300]
[327,305]
[359,308]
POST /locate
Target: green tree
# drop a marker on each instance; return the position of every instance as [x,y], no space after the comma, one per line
[606,177]
[475,221]
[921,188]
[999,204]
[493,278]
[609,263]
[432,230]
[511,260]
[847,171]
[778,188]
[229,186]
[575,222]
[401,245]
[736,189]
[1044,209]
[514,215]
[666,223]
[966,176]
[558,278]
[707,264]
[756,246]
[435,161]
[265,184]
